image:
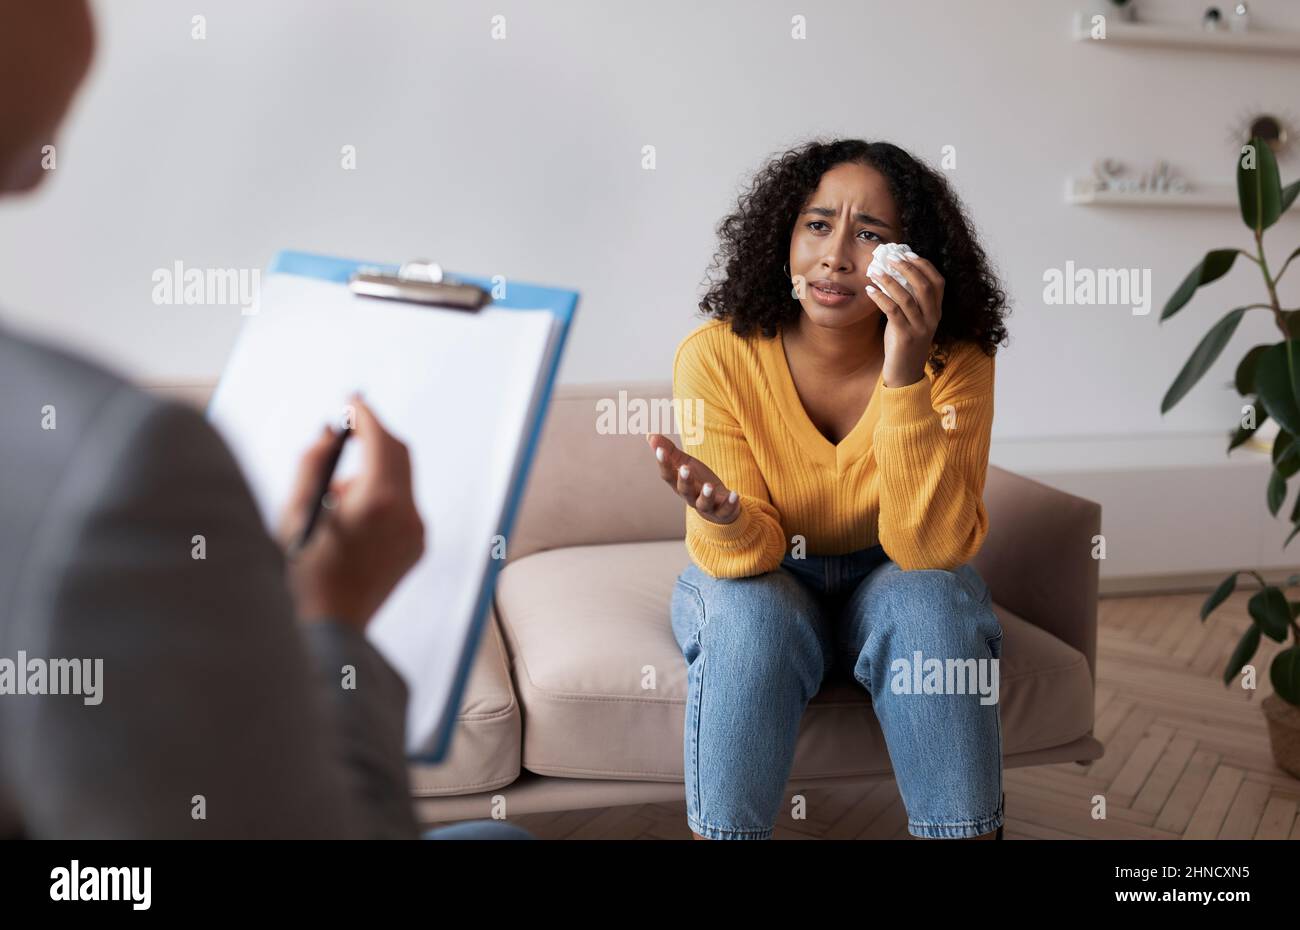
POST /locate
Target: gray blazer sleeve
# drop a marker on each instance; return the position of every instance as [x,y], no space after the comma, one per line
[219,716]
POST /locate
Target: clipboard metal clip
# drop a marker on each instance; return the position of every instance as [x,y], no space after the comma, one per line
[421,282]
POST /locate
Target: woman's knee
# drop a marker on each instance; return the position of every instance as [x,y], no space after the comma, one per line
[937,606]
[761,622]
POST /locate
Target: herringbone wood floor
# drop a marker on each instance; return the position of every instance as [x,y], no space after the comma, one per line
[1185,756]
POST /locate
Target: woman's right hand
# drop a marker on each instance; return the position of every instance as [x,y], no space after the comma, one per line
[694,481]
[368,541]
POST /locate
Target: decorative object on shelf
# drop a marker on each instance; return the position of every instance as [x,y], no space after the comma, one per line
[1270,376]
[1240,21]
[1213,194]
[1109,176]
[1212,20]
[1097,26]
[1109,184]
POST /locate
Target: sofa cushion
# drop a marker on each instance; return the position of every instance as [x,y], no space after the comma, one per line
[484,752]
[587,627]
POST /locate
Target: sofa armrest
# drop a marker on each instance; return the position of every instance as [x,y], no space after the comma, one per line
[1037,558]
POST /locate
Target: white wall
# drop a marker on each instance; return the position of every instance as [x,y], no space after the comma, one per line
[522,157]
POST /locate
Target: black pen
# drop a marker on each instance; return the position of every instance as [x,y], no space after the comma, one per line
[318,499]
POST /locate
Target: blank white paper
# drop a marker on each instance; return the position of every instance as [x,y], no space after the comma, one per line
[456,387]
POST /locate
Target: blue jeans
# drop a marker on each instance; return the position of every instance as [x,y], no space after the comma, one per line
[758,649]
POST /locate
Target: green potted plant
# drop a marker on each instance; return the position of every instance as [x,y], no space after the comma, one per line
[1268,374]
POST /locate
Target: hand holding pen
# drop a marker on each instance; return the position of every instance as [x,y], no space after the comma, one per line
[347,558]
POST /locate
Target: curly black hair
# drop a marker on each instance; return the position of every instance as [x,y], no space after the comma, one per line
[747,283]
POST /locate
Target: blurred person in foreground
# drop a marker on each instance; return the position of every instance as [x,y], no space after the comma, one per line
[220,709]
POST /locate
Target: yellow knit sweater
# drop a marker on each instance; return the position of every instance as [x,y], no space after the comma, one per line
[909,476]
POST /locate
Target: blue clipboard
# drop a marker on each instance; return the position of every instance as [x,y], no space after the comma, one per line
[519,295]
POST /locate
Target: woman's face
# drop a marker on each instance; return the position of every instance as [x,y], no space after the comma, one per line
[834,236]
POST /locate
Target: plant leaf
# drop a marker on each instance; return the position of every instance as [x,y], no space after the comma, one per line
[1295,520]
[1288,315]
[1245,650]
[1268,608]
[1288,195]
[1242,434]
[1213,266]
[1245,377]
[1275,383]
[1285,675]
[1286,455]
[1259,189]
[1221,594]
[1276,492]
[1202,357]
[1296,530]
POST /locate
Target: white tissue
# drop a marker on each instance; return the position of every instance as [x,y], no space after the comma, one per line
[880,262]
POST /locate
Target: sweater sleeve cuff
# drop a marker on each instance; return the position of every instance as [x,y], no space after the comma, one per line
[722,534]
[906,406]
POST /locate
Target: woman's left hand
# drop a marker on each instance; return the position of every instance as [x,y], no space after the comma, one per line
[909,333]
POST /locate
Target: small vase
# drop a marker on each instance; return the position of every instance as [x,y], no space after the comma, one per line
[1239,18]
[1283,732]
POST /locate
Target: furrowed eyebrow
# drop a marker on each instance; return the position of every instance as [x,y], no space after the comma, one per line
[865,218]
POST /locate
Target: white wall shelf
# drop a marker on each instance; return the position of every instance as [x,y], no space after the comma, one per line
[1084,192]
[1120,32]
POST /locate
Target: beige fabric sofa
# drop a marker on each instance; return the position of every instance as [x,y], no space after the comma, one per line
[578,693]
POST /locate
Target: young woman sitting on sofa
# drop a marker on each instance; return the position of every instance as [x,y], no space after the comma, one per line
[835,498]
